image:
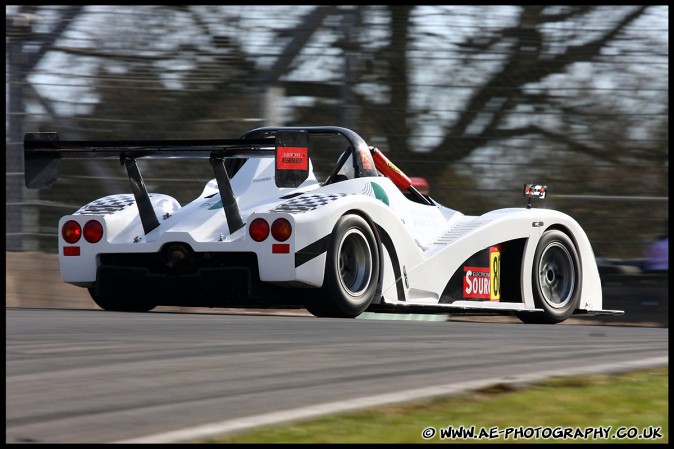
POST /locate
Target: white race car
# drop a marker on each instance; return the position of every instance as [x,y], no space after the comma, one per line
[311,217]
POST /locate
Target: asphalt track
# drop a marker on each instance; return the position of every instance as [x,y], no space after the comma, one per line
[89,376]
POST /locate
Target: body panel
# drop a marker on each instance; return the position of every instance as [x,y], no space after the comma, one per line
[429,257]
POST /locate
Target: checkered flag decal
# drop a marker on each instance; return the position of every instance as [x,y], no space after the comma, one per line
[304,203]
[108,205]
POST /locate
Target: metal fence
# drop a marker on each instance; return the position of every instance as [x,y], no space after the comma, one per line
[217,71]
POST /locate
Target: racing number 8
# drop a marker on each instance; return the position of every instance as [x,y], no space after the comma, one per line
[495,264]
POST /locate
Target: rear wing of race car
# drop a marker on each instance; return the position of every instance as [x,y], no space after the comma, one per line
[288,145]
[43,153]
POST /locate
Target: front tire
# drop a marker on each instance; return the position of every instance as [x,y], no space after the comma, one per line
[351,270]
[556,279]
[119,304]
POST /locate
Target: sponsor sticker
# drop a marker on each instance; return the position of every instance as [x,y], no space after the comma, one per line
[484,282]
[495,265]
[476,282]
[292,158]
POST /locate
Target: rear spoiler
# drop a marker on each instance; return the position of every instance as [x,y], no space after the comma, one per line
[43,153]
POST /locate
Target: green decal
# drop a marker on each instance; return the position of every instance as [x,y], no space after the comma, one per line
[217,205]
[379,193]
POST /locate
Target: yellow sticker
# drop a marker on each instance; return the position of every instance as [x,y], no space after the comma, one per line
[495,266]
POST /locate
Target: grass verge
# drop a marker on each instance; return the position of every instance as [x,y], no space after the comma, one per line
[625,408]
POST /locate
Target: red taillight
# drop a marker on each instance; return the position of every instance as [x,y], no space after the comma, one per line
[93,231]
[259,229]
[281,229]
[71,231]
[280,248]
[71,250]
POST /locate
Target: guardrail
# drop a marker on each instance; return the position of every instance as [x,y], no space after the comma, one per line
[643,296]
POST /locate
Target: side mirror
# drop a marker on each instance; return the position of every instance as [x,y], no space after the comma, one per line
[534,191]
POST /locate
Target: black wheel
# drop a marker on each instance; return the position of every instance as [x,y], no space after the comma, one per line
[556,279]
[120,305]
[351,270]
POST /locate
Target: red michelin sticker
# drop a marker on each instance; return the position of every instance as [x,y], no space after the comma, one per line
[292,158]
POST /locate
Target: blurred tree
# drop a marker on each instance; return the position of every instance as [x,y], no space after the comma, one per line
[538,107]
[518,82]
[477,99]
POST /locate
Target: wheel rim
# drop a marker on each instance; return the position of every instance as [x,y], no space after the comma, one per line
[556,275]
[355,262]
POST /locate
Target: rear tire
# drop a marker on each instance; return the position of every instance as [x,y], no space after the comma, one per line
[556,279]
[351,270]
[119,304]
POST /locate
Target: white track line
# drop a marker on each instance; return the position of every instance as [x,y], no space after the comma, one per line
[313,411]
